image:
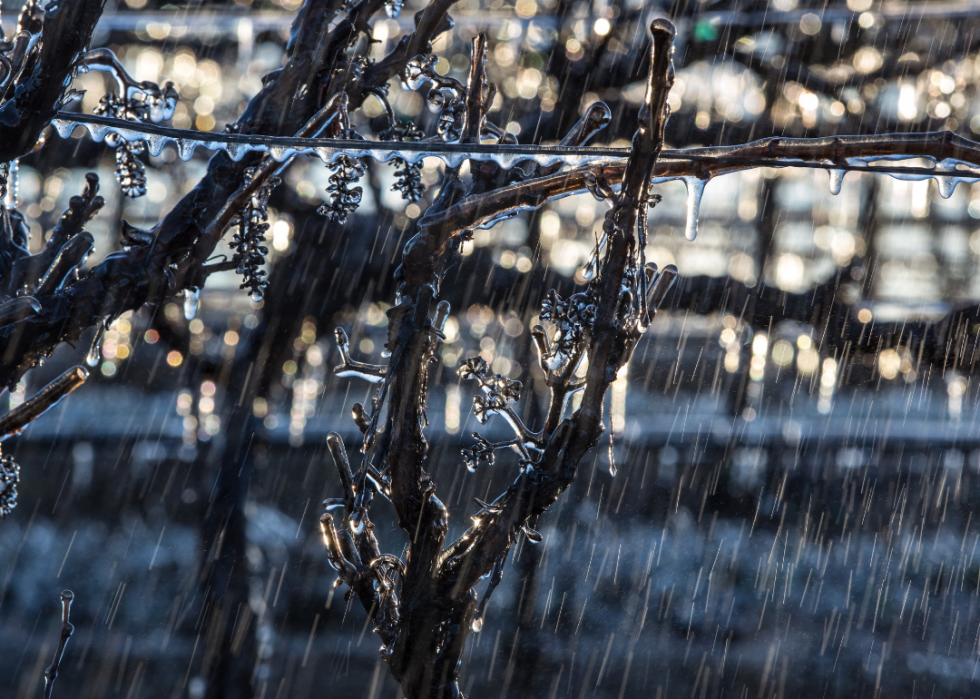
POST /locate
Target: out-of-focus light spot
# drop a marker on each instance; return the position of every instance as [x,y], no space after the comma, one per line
[760,344]
[889,363]
[955,390]
[804,342]
[452,409]
[789,272]
[702,120]
[282,231]
[867,59]
[174,358]
[727,337]
[314,356]
[108,369]
[828,381]
[260,408]
[196,326]
[451,331]
[366,346]
[184,403]
[808,100]
[908,107]
[208,388]
[810,24]
[122,351]
[782,353]
[807,361]
[731,362]
[206,404]
[864,315]
[289,367]
[507,259]
[526,8]
[413,211]
[204,122]
[231,338]
[859,5]
[602,26]
[866,20]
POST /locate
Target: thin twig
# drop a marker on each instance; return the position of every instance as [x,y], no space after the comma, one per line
[14,422]
[51,673]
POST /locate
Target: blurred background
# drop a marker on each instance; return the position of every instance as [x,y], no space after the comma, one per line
[796,438]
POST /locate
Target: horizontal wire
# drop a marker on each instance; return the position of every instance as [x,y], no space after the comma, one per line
[268,143]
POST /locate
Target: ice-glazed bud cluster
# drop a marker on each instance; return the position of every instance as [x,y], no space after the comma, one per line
[572,317]
[344,199]
[500,391]
[9,479]
[248,241]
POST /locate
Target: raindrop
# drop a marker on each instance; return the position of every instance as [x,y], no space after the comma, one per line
[476,625]
[192,300]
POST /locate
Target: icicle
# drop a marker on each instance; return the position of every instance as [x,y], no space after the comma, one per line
[588,271]
[185,149]
[95,351]
[12,186]
[836,179]
[192,300]
[695,188]
[947,183]
[357,522]
[612,450]
[155,143]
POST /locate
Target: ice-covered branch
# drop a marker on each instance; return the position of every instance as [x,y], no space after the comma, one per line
[606,320]
[38,68]
[51,673]
[14,422]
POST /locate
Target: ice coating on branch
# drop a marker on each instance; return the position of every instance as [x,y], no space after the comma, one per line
[192,301]
[95,349]
[695,189]
[836,179]
[237,146]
